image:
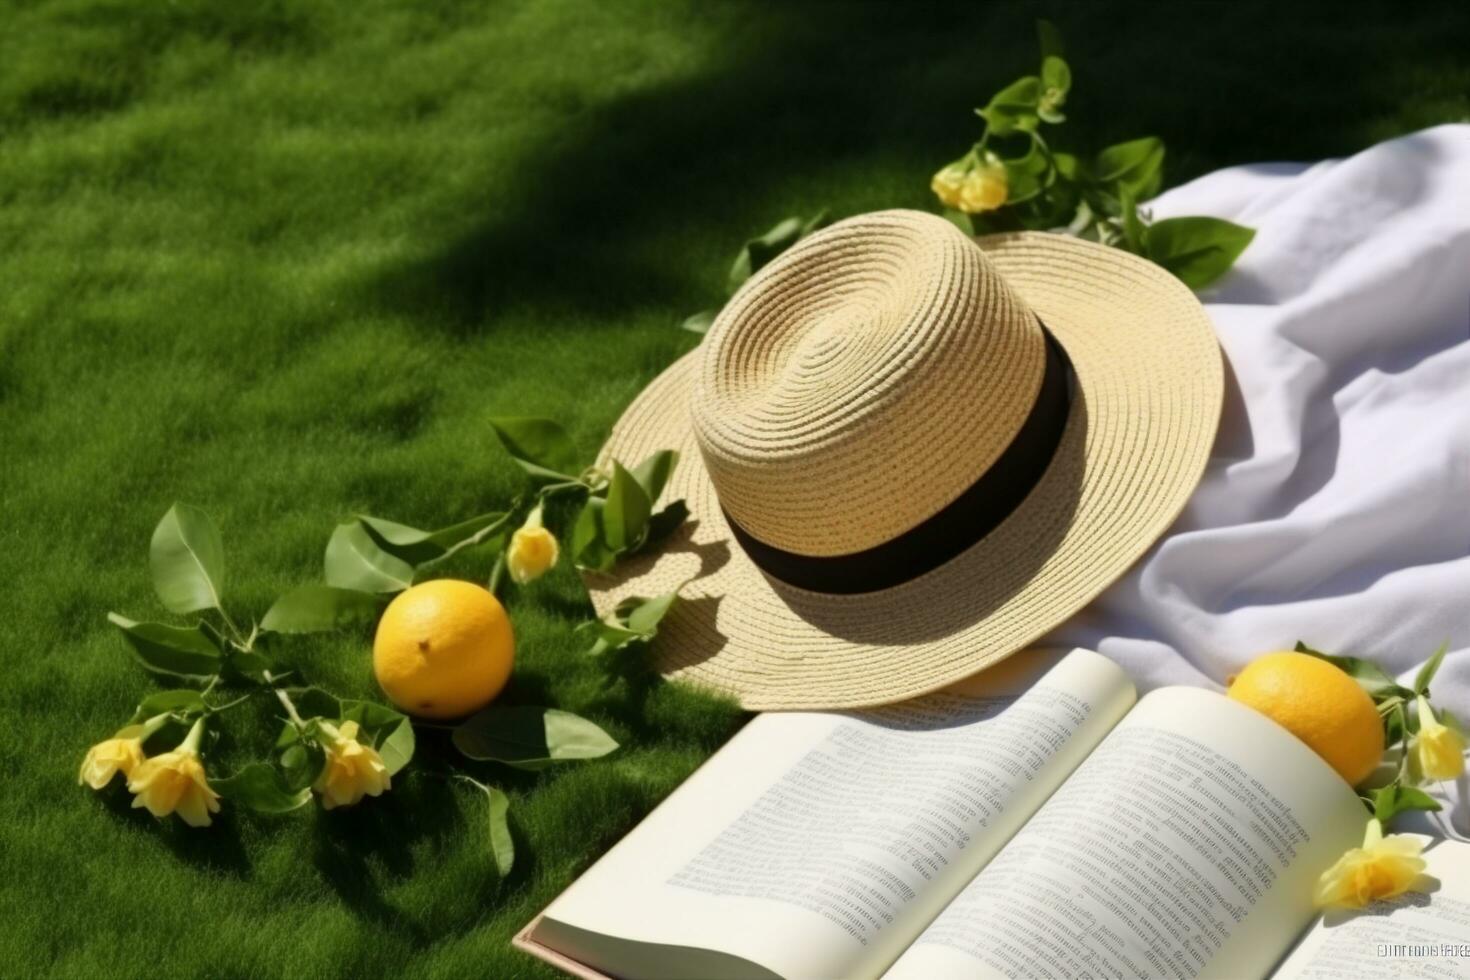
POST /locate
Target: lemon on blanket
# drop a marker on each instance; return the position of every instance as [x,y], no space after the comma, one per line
[443,649]
[1319,704]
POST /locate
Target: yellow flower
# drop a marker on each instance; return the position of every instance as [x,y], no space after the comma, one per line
[533,550]
[948,183]
[120,754]
[1439,751]
[352,770]
[174,783]
[984,189]
[1382,868]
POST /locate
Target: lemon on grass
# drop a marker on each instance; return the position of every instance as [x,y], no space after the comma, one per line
[1319,704]
[443,649]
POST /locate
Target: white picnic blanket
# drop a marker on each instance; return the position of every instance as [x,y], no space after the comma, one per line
[1336,506]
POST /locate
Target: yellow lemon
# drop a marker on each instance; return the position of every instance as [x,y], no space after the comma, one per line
[1319,704]
[443,649]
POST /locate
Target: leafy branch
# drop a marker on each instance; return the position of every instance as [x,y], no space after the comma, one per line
[1420,747]
[1013,178]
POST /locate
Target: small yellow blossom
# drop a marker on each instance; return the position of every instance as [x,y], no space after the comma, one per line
[1439,751]
[533,550]
[984,188]
[120,754]
[1382,868]
[352,770]
[948,183]
[174,782]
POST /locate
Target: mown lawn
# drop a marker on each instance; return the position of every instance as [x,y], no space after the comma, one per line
[283,259]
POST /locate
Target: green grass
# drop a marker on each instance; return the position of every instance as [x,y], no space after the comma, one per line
[284,259]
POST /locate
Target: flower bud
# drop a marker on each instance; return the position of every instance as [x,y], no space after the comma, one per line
[174,782]
[1439,751]
[985,187]
[353,769]
[948,183]
[533,550]
[1382,868]
[122,753]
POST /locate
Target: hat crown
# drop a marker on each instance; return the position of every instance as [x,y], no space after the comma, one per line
[861,382]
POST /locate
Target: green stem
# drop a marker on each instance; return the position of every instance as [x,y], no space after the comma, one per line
[239,638]
[1403,743]
[286,702]
[497,574]
[229,704]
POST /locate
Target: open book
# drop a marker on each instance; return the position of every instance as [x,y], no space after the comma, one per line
[1032,821]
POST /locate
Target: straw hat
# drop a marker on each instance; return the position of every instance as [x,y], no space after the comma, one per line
[908,454]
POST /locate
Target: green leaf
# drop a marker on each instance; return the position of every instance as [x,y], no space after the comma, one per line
[609,636]
[417,547]
[1395,726]
[589,545]
[960,220]
[261,787]
[248,664]
[1197,250]
[1013,107]
[354,561]
[541,447]
[319,608]
[389,731]
[663,524]
[1068,166]
[760,250]
[1049,39]
[1370,676]
[1133,230]
[502,845]
[301,761]
[653,473]
[1055,73]
[180,651]
[1393,799]
[625,516]
[1056,80]
[1430,668]
[1054,207]
[700,322]
[1136,164]
[184,700]
[644,615]
[187,559]
[1027,175]
[635,619]
[530,738]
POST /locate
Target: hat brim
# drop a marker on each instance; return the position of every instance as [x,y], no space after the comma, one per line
[1147,390]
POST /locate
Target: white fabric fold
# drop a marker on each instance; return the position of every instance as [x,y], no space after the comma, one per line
[1336,506]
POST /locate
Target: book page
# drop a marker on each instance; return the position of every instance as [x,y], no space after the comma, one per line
[821,844]
[1187,845]
[1421,934]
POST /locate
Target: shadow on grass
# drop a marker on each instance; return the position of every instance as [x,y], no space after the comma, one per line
[215,848]
[595,215]
[356,846]
[657,712]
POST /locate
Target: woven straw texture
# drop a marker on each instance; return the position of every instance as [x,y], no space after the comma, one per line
[879,348]
[1146,403]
